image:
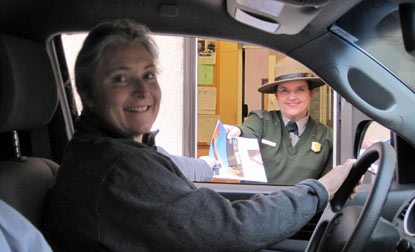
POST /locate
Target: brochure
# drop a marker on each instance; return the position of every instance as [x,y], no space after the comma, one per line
[240,157]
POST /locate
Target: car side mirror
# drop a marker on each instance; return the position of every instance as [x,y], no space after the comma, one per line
[369,132]
[407,17]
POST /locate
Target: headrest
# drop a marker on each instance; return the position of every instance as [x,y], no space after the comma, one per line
[28,93]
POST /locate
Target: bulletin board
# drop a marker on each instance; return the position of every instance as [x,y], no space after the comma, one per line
[219,88]
[207,95]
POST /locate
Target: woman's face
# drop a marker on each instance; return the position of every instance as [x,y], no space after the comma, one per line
[126,92]
[294,98]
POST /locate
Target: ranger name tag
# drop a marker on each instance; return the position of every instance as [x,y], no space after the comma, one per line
[268,142]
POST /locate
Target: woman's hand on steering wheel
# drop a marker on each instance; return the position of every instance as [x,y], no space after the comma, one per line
[335,178]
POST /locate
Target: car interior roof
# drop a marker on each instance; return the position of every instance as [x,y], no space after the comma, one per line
[39,20]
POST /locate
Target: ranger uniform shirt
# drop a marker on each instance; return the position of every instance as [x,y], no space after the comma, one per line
[285,164]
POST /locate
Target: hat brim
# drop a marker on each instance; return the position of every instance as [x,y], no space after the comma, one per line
[271,87]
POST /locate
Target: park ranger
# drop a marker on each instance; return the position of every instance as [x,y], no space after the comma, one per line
[293,145]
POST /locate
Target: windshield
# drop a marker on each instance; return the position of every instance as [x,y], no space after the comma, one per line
[375,27]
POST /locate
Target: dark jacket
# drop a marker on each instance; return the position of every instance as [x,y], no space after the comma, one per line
[114,194]
[194,169]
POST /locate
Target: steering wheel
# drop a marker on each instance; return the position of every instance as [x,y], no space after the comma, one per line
[348,229]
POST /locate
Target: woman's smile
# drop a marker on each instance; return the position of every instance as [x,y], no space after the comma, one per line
[138,109]
[294,98]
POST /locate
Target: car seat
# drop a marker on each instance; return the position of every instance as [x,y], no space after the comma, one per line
[28,100]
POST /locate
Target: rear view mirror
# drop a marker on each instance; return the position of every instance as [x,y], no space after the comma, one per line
[371,132]
[407,16]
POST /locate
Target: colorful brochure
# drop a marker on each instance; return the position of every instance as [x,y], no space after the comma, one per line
[240,157]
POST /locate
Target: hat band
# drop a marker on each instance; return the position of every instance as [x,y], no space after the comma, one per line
[293,76]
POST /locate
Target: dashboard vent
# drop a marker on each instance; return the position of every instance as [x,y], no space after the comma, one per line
[306,231]
[401,215]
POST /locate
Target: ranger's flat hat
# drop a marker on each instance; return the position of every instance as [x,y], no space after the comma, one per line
[288,69]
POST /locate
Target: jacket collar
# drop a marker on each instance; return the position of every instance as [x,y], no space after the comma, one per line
[89,124]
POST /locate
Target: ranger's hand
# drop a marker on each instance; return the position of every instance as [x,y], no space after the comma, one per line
[233,131]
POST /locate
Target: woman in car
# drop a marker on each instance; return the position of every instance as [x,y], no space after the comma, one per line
[114,192]
[293,146]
